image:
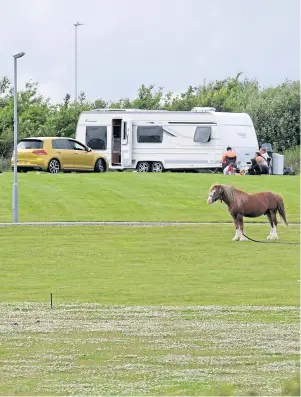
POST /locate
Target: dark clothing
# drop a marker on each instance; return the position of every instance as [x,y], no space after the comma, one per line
[228,161]
[228,157]
[258,169]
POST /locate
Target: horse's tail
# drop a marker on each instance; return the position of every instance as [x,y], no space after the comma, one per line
[281,209]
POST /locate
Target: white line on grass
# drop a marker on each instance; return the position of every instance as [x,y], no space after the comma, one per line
[127,223]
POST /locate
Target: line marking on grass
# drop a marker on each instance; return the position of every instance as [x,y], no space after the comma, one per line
[128,223]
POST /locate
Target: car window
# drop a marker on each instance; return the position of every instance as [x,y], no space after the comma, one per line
[61,144]
[31,144]
[76,145]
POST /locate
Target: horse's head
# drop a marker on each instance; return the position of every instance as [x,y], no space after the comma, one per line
[215,193]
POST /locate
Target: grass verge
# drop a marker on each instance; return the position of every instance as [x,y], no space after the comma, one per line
[134,196]
[195,265]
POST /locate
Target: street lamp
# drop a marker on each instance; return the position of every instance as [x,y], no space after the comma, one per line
[15,185]
[75,77]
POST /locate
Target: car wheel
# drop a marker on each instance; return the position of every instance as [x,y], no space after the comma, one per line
[143,166]
[157,166]
[100,166]
[54,166]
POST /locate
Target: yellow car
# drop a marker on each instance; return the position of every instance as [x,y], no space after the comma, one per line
[56,154]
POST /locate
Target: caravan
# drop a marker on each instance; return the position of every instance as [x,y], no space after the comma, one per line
[154,140]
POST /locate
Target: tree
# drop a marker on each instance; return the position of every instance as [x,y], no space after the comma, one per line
[275,111]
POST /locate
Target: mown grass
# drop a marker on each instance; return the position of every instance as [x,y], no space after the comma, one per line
[83,349]
[173,311]
[182,310]
[148,266]
[133,196]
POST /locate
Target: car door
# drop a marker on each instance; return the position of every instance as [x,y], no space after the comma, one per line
[82,158]
[63,152]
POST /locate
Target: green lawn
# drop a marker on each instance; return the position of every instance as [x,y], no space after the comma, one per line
[147,311]
[90,350]
[196,265]
[133,196]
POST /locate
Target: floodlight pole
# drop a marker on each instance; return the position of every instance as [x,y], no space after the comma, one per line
[75,65]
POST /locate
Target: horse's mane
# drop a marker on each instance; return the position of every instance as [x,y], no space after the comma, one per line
[233,194]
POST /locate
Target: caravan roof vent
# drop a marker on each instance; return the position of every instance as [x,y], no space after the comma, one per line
[199,109]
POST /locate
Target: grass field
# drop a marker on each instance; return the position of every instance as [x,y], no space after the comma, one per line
[197,265]
[145,310]
[133,196]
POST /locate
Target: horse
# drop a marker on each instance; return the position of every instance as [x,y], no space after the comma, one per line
[242,204]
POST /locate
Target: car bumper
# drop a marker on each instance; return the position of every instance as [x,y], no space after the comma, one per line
[30,166]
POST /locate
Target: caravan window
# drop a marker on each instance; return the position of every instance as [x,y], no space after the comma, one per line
[150,134]
[202,134]
[96,137]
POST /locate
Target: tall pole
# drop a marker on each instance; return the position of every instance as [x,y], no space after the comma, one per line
[15,184]
[75,65]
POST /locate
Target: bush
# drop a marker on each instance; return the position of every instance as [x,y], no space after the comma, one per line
[292,158]
[4,164]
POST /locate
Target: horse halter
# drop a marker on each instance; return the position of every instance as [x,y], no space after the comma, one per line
[218,197]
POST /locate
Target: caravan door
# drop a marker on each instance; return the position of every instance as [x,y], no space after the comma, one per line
[126,143]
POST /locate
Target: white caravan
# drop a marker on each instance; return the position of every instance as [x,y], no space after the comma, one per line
[153,140]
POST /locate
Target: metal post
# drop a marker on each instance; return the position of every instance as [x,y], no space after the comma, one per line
[75,66]
[75,82]
[15,184]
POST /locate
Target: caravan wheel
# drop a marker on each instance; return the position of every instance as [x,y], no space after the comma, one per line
[143,166]
[157,166]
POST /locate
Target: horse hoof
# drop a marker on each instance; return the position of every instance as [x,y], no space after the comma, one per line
[269,237]
[274,237]
[235,238]
[243,238]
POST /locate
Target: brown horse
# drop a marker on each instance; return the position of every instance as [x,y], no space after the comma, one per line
[242,204]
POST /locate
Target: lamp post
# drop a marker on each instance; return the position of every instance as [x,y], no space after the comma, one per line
[75,76]
[15,184]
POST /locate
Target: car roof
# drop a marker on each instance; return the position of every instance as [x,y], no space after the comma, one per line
[45,138]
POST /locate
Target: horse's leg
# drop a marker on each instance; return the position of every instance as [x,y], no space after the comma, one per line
[241,228]
[269,215]
[237,233]
[274,235]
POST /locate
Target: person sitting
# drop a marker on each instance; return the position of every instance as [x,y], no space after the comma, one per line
[228,157]
[229,169]
[259,165]
[263,153]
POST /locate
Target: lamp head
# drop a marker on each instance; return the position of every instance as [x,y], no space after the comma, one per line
[19,55]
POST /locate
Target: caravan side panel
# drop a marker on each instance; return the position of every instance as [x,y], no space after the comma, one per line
[95,133]
[237,130]
[179,145]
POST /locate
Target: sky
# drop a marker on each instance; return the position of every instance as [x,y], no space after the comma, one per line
[168,43]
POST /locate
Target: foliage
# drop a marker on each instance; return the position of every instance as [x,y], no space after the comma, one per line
[292,158]
[275,111]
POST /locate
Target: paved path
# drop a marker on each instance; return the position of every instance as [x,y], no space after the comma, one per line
[121,223]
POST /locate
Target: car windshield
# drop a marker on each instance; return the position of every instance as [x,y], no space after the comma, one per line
[30,144]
